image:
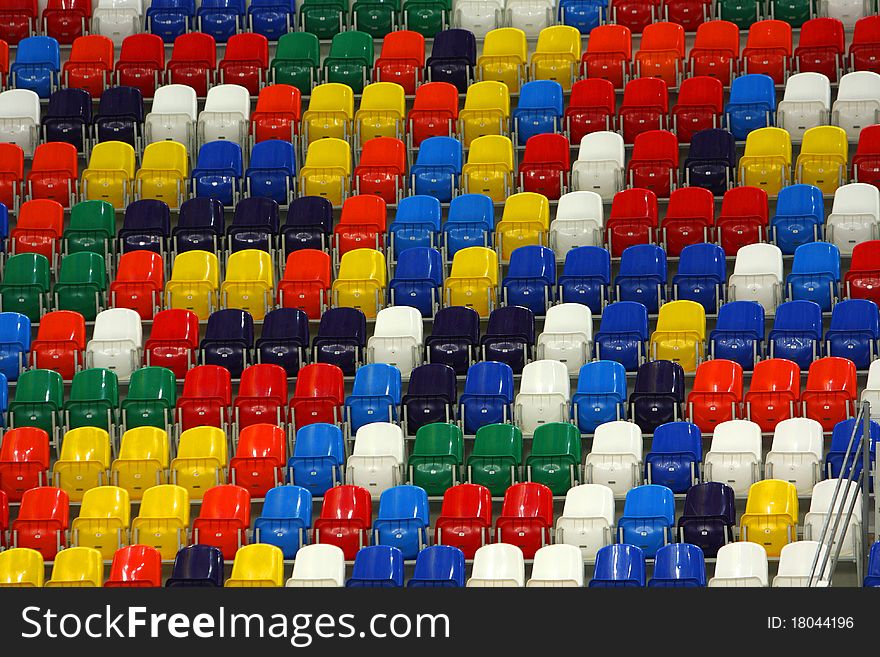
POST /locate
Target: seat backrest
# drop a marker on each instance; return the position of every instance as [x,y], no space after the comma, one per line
[859,85]
[798,434]
[602,146]
[759,259]
[380,439]
[742,560]
[808,87]
[618,437]
[545,377]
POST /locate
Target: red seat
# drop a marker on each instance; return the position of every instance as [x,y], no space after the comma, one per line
[206,397]
[591,108]
[277,115]
[716,51]
[173,341]
[4,518]
[866,161]
[140,278]
[18,20]
[90,64]
[773,393]
[135,566]
[465,518]
[862,280]
[54,173]
[608,54]
[831,391]
[661,53]
[690,14]
[223,519]
[193,60]
[141,63]
[654,162]
[362,223]
[690,217]
[633,219]
[645,106]
[768,49]
[39,228]
[635,14]
[306,282]
[699,107]
[318,396]
[434,112]
[401,60]
[545,165]
[262,396]
[4,62]
[11,174]
[526,517]
[42,522]
[717,394]
[743,219]
[381,170]
[65,20]
[24,461]
[245,61]
[864,50]
[821,47]
[260,458]
[60,343]
[346,519]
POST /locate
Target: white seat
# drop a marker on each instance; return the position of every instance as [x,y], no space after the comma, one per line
[478,16]
[871,393]
[20,118]
[796,453]
[397,339]
[599,167]
[616,457]
[116,342]
[567,335]
[796,563]
[740,564]
[117,19]
[531,16]
[823,504]
[855,216]
[757,276]
[226,115]
[580,221]
[848,11]
[173,116]
[806,104]
[734,457]
[587,519]
[857,104]
[376,463]
[544,395]
[318,565]
[498,565]
[557,566]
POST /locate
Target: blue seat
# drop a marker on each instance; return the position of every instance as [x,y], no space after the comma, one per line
[470,222]
[487,396]
[375,396]
[872,579]
[531,278]
[438,168]
[431,396]
[68,117]
[454,338]
[510,336]
[453,58]
[701,276]
[170,18]
[272,170]
[318,458]
[417,280]
[836,462]
[680,565]
[229,339]
[539,109]
[201,223]
[120,115]
[37,65]
[272,18]
[658,394]
[583,14]
[623,334]
[403,520]
[711,160]
[648,518]
[341,339]
[254,225]
[586,276]
[797,332]
[15,343]
[854,332]
[197,566]
[146,227]
[709,517]
[285,519]
[220,18]
[642,276]
[751,105]
[739,333]
[438,566]
[600,396]
[619,566]
[284,339]
[800,214]
[219,171]
[416,223]
[309,223]
[815,274]
[676,456]
[377,566]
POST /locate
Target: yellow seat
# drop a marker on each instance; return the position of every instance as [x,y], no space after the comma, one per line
[330,112]
[250,281]
[771,515]
[361,281]
[201,460]
[164,173]
[103,521]
[504,58]
[327,170]
[489,167]
[110,174]
[767,160]
[21,568]
[84,462]
[525,221]
[823,159]
[473,280]
[163,520]
[142,462]
[382,112]
[486,111]
[258,565]
[195,283]
[77,567]
[557,55]
[680,334]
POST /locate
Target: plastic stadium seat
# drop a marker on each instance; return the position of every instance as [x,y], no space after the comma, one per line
[306,282]
[84,461]
[164,173]
[796,454]
[19,123]
[854,332]
[702,266]
[69,117]
[717,394]
[327,170]
[60,343]
[437,169]
[509,336]
[377,566]
[487,396]
[455,337]
[771,515]
[741,564]
[555,457]
[615,459]
[77,567]
[42,521]
[249,282]
[416,224]
[821,47]
[201,459]
[768,49]
[431,396]
[623,334]
[205,401]
[194,283]
[567,335]
[375,396]
[284,339]
[229,340]
[163,519]
[397,339]
[823,157]
[361,281]
[661,52]
[744,218]
[325,18]
[318,566]
[257,565]
[679,566]
[262,397]
[24,461]
[110,174]
[117,19]
[857,102]
[658,394]
[92,228]
[54,173]
[89,65]
[402,521]
[345,520]
[757,276]
[504,57]
[798,218]
[645,107]
[142,462]
[223,519]
[526,517]
[642,276]
[815,274]
[735,456]
[11,174]
[272,171]
[465,518]
[847,11]
[103,520]
[829,395]
[653,164]
[539,110]
[600,396]
[806,104]
[486,111]
[285,520]
[438,566]
[774,392]
[751,105]
[38,400]
[197,566]
[401,60]
[170,18]
[436,461]
[381,170]
[498,566]
[318,458]
[579,221]
[15,343]
[255,223]
[277,114]
[172,116]
[648,518]
[587,519]
[855,216]
[471,222]
[556,55]
[608,54]
[619,566]
[544,395]
[531,278]
[245,62]
[699,107]
[490,171]
[39,229]
[635,14]
[37,65]
[633,222]
[473,280]
[862,276]
[709,517]
[173,340]
[862,54]
[341,339]
[532,16]
[381,112]
[350,60]
[796,565]
[226,115]
[434,112]
[716,51]
[19,19]
[453,58]
[141,63]
[680,335]
[592,107]
[318,395]
[116,342]
[797,332]
[837,462]
[193,62]
[135,566]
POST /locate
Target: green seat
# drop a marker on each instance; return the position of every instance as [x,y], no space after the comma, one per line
[741,12]
[437,456]
[92,228]
[323,18]
[25,285]
[794,12]
[152,394]
[82,284]
[556,454]
[496,457]
[427,17]
[375,17]
[94,400]
[297,59]
[39,395]
[350,60]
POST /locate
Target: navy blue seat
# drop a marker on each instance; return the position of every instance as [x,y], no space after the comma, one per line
[197,566]
[702,273]
[403,520]
[531,278]
[229,339]
[454,338]
[539,109]
[431,396]
[642,276]
[200,226]
[341,339]
[318,458]
[711,160]
[146,227]
[510,336]
[309,223]
[377,566]
[586,276]
[709,517]
[254,225]
[272,18]
[120,115]
[872,579]
[600,396]
[4,227]
[68,117]
[658,394]
[680,565]
[676,456]
[800,215]
[285,519]
[453,58]
[470,222]
[219,171]
[418,279]
[815,274]
[797,332]
[583,14]
[438,566]
[37,65]
[438,168]
[284,339]
[272,170]
[751,105]
[836,462]
[623,334]
[487,396]
[375,395]
[220,18]
[854,332]
[739,333]
[619,566]
[15,343]
[648,518]
[170,18]
[416,224]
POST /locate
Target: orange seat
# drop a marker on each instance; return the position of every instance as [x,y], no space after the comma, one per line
[245,61]
[716,51]
[278,112]
[140,279]
[90,64]
[11,174]
[306,282]
[54,173]
[774,393]
[768,49]
[381,169]
[261,455]
[830,393]
[401,60]
[60,343]
[661,53]
[608,54]
[434,112]
[362,224]
[39,228]
[717,394]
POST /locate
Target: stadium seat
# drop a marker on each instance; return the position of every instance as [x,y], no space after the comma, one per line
[20,123]
[741,564]
[592,107]
[434,112]
[346,519]
[771,515]
[454,338]
[257,565]
[341,338]
[201,460]
[39,229]
[653,164]
[172,116]
[223,519]
[245,62]
[103,520]
[797,332]
[498,566]
[38,400]
[716,51]
[261,451]
[854,332]
[205,399]
[142,462]
[735,456]
[544,395]
[796,454]
[496,457]
[862,54]
[837,461]
[318,458]
[829,395]
[821,47]
[42,521]
[801,564]
[403,520]
[815,274]
[453,57]
[504,57]
[635,15]
[827,499]
[436,461]
[608,55]
[197,566]
[823,157]
[69,118]
[855,216]
[285,520]
[350,60]
[526,517]
[757,276]
[699,107]
[661,52]
[53,174]
[378,458]
[11,171]
[465,518]
[164,173]
[437,169]
[77,567]
[600,164]
[768,50]
[648,518]
[557,52]
[324,18]
[709,517]
[619,566]
[539,110]
[60,343]
[37,65]
[318,566]
[701,270]
[401,60]
[173,341]
[645,107]
[94,400]
[110,174]
[774,393]
[381,170]
[587,519]
[615,459]
[262,396]
[680,334]
[375,396]
[805,105]
[555,457]
[327,170]
[84,461]
[486,111]
[194,283]
[89,65]
[377,566]
[438,566]
[24,461]
[219,172]
[19,19]
[193,62]
[642,275]
[431,396]
[716,395]
[135,566]
[141,63]
[750,108]
[229,340]
[857,102]
[600,396]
